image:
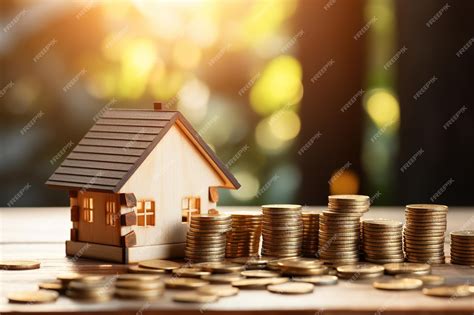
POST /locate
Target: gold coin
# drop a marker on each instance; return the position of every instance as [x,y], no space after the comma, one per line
[211,217]
[68,277]
[281,207]
[398,268]
[40,296]
[449,291]
[259,274]
[361,268]
[466,234]
[299,272]
[291,288]
[258,283]
[184,283]
[398,284]
[138,294]
[138,269]
[160,264]
[194,297]
[53,285]
[221,290]
[427,208]
[318,280]
[427,279]
[138,277]
[139,285]
[220,267]
[19,264]
[190,272]
[223,278]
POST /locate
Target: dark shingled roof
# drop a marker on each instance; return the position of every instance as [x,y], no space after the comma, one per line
[115,147]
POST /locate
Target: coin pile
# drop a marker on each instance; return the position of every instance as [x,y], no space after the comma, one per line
[139,286]
[424,233]
[244,238]
[206,237]
[339,228]
[310,233]
[462,247]
[382,241]
[282,230]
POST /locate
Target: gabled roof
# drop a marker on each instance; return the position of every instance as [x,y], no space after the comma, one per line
[116,146]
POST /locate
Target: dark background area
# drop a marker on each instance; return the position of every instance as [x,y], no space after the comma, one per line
[307,35]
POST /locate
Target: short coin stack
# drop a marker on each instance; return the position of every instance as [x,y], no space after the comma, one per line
[424,233]
[139,286]
[339,228]
[91,288]
[244,238]
[282,230]
[310,233]
[462,247]
[206,238]
[382,241]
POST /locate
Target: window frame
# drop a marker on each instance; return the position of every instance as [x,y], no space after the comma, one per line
[146,213]
[190,205]
[111,213]
[88,209]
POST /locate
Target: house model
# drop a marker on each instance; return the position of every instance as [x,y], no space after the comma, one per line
[134,181]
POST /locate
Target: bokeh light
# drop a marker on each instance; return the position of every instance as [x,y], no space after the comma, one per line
[285,125]
[382,107]
[249,188]
[346,182]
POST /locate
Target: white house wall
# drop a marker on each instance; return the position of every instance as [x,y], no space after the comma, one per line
[173,170]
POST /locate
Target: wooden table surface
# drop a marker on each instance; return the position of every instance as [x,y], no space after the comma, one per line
[39,234]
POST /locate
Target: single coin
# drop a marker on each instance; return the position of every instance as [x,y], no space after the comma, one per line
[398,268]
[194,297]
[52,285]
[258,283]
[259,274]
[139,285]
[318,280]
[221,290]
[220,267]
[398,284]
[427,279]
[360,269]
[291,288]
[449,291]
[40,296]
[19,264]
[137,277]
[160,264]
[223,278]
[138,269]
[184,283]
[68,277]
[190,272]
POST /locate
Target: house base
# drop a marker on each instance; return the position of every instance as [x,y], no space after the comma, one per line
[123,255]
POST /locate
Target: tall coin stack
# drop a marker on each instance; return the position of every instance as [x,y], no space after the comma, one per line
[310,233]
[382,241]
[244,238]
[424,233]
[282,230]
[462,247]
[339,228]
[206,237]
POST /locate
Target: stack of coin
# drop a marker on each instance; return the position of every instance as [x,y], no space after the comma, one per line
[339,229]
[282,230]
[310,233]
[462,247]
[206,238]
[244,238]
[139,286]
[301,267]
[382,241]
[96,289]
[424,233]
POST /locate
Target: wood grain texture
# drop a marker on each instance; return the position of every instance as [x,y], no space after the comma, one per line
[128,219]
[75,213]
[128,200]
[129,240]
[43,239]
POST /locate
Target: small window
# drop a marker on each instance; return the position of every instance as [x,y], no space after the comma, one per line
[189,207]
[88,210]
[146,213]
[110,213]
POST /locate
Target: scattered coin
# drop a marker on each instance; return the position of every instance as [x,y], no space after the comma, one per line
[220,267]
[190,272]
[317,280]
[194,297]
[138,294]
[224,278]
[410,268]
[258,283]
[160,264]
[52,285]
[291,288]
[259,274]
[184,283]
[138,269]
[449,291]
[40,296]
[19,265]
[138,277]
[221,290]
[427,279]
[398,284]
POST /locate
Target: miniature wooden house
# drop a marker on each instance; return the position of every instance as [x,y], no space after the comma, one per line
[134,180]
